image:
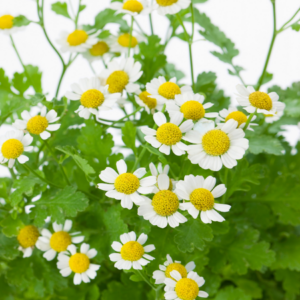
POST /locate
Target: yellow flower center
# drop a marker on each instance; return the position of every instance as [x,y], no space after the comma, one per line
[215,142]
[192,110]
[92,98]
[132,251]
[28,236]
[150,102]
[124,40]
[270,115]
[117,81]
[77,37]
[261,100]
[79,263]
[12,148]
[202,199]
[187,289]
[60,241]
[37,124]
[168,134]
[127,183]
[168,90]
[176,267]
[237,116]
[133,6]
[166,2]
[165,203]
[6,22]
[99,49]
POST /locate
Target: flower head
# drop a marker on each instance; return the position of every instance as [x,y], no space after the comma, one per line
[144,99]
[27,239]
[171,7]
[120,43]
[270,118]
[132,7]
[7,25]
[101,49]
[160,170]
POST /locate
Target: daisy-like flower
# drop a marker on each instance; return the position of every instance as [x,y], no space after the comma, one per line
[126,186]
[163,209]
[214,147]
[169,266]
[171,7]
[93,97]
[144,99]
[191,106]
[269,118]
[78,262]
[160,170]
[164,90]
[7,24]
[121,76]
[12,147]
[184,288]
[77,41]
[101,49]
[233,113]
[202,193]
[38,124]
[132,253]
[132,7]
[58,241]
[263,102]
[120,43]
[169,134]
[27,239]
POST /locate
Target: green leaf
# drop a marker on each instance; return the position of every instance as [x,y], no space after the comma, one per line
[8,247]
[11,227]
[20,82]
[231,293]
[265,144]
[61,8]
[82,7]
[104,34]
[296,27]
[290,281]
[136,278]
[34,76]
[21,21]
[156,152]
[129,135]
[251,288]
[293,108]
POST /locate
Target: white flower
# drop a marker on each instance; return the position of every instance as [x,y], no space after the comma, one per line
[38,124]
[58,241]
[131,252]
[214,148]
[120,43]
[164,90]
[201,194]
[160,170]
[132,7]
[125,186]
[7,25]
[163,208]
[101,49]
[263,102]
[27,238]
[172,7]
[93,97]
[169,134]
[144,99]
[184,288]
[12,147]
[269,118]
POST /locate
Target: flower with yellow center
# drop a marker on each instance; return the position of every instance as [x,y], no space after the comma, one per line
[163,209]
[144,99]
[132,7]
[171,7]
[201,194]
[78,262]
[126,186]
[100,50]
[169,135]
[7,25]
[93,97]
[212,148]
[12,147]
[184,288]
[27,239]
[53,243]
[169,266]
[38,124]
[269,118]
[131,252]
[120,43]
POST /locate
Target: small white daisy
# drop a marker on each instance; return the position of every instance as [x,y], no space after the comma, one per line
[27,239]
[38,124]
[269,118]
[51,243]
[93,97]
[7,25]
[171,7]
[169,135]
[144,99]
[120,43]
[125,186]
[12,147]
[132,253]
[101,49]
[132,7]
[160,170]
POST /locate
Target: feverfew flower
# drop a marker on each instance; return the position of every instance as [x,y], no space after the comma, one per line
[27,239]
[132,253]
[171,7]
[120,43]
[132,7]
[144,99]
[160,170]
[7,25]
[269,118]
[101,49]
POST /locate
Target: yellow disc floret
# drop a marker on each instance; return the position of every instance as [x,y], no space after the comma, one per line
[237,116]
[166,2]
[133,6]
[261,100]
[79,263]
[202,199]
[124,40]
[127,183]
[132,251]
[117,81]
[187,289]
[28,236]
[176,267]
[99,49]
[150,102]
[192,110]
[77,37]
[37,125]
[165,203]
[6,22]
[60,241]
[92,98]
[168,134]
[215,142]
[169,89]
[12,148]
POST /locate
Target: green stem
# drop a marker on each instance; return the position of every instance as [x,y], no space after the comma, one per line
[130,36]
[77,15]
[146,280]
[238,74]
[127,116]
[105,66]
[283,26]
[225,182]
[193,21]
[12,173]
[140,28]
[93,70]
[60,79]
[249,120]
[151,24]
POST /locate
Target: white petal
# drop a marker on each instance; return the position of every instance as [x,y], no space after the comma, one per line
[163,181]
[116,246]
[219,190]
[159,118]
[77,279]
[121,166]
[68,225]
[222,207]
[50,254]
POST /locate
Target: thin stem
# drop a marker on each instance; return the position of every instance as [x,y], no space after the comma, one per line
[140,28]
[146,280]
[130,36]
[77,15]
[225,182]
[283,26]
[60,80]
[249,120]
[104,64]
[127,116]
[12,173]
[151,24]
[92,68]
[193,21]
[238,74]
